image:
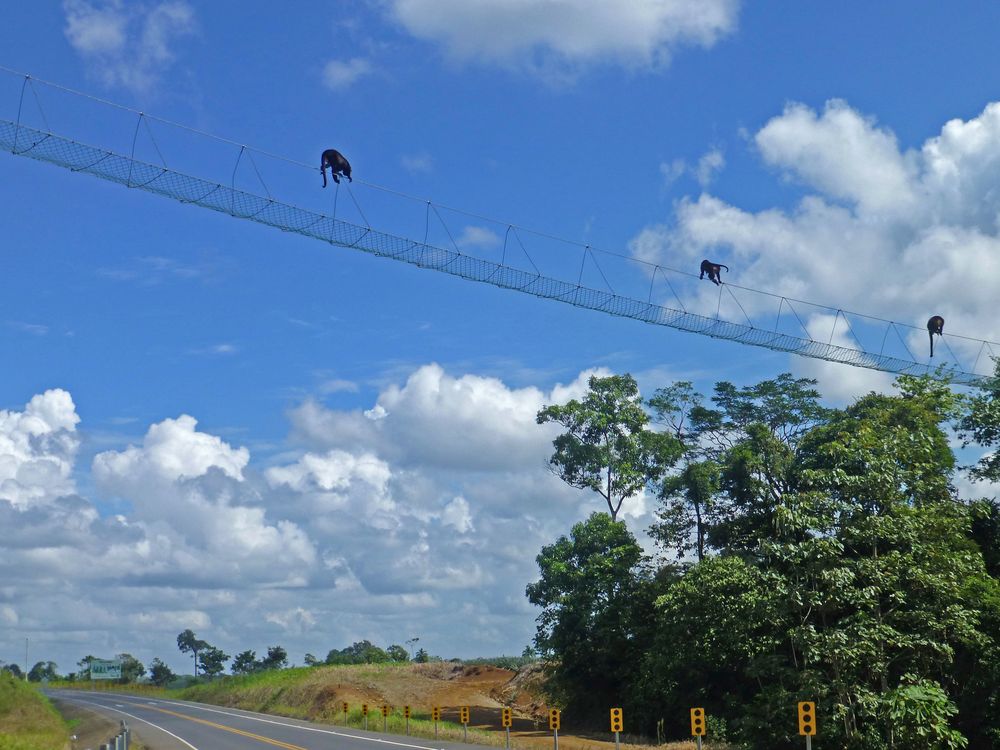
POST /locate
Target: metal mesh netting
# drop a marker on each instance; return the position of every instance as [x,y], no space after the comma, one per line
[78,157]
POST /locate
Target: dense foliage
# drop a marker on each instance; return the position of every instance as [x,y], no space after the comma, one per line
[805,554]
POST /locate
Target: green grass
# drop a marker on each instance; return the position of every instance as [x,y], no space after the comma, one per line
[27,719]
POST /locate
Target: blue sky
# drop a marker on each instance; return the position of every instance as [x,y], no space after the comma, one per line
[365,462]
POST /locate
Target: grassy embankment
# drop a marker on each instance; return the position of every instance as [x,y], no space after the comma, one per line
[317,693]
[27,719]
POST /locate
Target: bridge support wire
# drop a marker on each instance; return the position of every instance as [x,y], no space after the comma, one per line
[123,170]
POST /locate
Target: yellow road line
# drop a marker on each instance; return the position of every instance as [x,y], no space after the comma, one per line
[223,727]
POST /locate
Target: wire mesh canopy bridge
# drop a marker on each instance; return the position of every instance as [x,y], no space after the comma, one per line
[44,145]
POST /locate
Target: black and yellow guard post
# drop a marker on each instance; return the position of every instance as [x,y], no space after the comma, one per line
[698,724]
[436,717]
[616,724]
[506,719]
[385,718]
[406,715]
[345,707]
[807,721]
[554,721]
[463,715]
[364,712]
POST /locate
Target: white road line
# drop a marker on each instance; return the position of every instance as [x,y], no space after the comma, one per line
[132,716]
[199,707]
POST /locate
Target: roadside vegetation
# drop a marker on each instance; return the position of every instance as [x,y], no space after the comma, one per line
[27,719]
[802,553]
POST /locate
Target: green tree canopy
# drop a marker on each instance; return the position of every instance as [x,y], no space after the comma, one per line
[189,643]
[607,446]
[159,673]
[212,660]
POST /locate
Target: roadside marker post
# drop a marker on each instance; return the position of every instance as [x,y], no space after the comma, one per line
[554,722]
[436,716]
[616,725]
[698,724]
[385,718]
[344,706]
[464,716]
[506,719]
[406,714]
[807,721]
[364,712]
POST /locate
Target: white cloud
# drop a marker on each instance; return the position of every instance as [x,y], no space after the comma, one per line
[478,237]
[421,163]
[899,234]
[380,529]
[172,450]
[339,75]
[708,165]
[128,45]
[553,37]
[37,449]
[457,515]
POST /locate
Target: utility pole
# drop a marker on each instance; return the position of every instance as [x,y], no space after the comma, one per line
[25,659]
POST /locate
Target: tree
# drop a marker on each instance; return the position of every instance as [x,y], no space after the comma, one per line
[132,668]
[608,446]
[245,662]
[14,670]
[396,652]
[421,657]
[159,673]
[596,601]
[43,670]
[84,665]
[212,660]
[311,661]
[360,652]
[736,460]
[277,658]
[188,643]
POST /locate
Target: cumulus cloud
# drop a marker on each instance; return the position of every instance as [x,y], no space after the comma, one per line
[37,449]
[899,234]
[552,36]
[420,163]
[436,419]
[339,75]
[129,45]
[364,523]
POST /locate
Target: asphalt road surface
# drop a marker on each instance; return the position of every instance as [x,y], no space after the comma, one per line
[181,725]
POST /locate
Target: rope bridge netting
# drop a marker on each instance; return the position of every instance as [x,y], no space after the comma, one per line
[21,139]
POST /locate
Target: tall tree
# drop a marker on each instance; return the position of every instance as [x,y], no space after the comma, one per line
[607,446]
[188,643]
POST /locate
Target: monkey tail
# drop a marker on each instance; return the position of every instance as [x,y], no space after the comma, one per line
[723,266]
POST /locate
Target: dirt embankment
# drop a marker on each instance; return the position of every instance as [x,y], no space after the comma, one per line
[319,694]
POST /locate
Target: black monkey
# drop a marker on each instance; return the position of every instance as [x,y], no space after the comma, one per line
[338,165]
[713,270]
[935,325]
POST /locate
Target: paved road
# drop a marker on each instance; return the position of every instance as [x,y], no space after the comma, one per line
[181,725]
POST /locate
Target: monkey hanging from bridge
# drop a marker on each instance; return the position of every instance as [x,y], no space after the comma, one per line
[935,325]
[713,270]
[338,165]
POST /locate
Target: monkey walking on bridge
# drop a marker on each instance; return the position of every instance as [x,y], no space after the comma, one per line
[338,165]
[935,325]
[713,270]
